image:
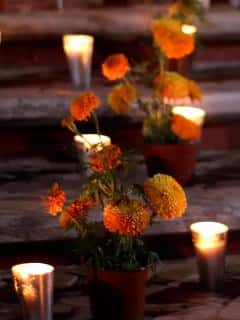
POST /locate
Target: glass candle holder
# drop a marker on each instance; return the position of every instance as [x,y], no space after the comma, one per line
[192,114]
[189,29]
[79,51]
[85,143]
[34,285]
[210,239]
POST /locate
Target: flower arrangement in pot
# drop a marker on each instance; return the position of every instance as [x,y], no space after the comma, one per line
[170,134]
[113,250]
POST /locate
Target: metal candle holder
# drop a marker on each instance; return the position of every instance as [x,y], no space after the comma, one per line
[79,50]
[210,239]
[34,285]
[85,143]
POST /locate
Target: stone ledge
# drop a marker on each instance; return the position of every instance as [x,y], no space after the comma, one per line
[214,195]
[224,22]
[50,103]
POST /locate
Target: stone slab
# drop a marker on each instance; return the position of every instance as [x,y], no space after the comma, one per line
[213,195]
[178,295]
[50,102]
[223,21]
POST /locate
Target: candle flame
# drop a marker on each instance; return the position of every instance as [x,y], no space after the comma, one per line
[78,44]
[189,29]
[26,270]
[208,234]
[91,140]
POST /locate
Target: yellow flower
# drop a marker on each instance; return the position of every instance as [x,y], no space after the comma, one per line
[76,211]
[108,158]
[185,129]
[83,105]
[174,86]
[165,196]
[129,218]
[195,92]
[168,35]
[121,97]
[54,202]
[115,67]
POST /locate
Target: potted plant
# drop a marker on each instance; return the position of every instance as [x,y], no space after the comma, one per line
[113,251]
[169,138]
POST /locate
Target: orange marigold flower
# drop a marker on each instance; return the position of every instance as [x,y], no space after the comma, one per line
[185,129]
[195,92]
[78,211]
[108,158]
[129,218]
[168,35]
[165,196]
[121,97]
[54,202]
[83,105]
[115,67]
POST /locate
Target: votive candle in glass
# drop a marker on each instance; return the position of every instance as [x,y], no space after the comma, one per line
[79,51]
[34,285]
[88,141]
[193,114]
[210,239]
[85,143]
[189,29]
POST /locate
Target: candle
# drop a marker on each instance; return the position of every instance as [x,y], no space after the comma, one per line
[79,50]
[189,29]
[193,114]
[34,285]
[87,142]
[209,239]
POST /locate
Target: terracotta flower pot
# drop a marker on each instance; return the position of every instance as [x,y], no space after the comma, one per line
[177,160]
[117,295]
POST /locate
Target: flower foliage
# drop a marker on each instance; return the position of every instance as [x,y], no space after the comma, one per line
[128,218]
[55,200]
[174,86]
[168,36]
[121,97]
[108,158]
[166,197]
[126,212]
[83,105]
[115,67]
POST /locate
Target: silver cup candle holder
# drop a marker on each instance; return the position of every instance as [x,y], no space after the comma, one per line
[33,283]
[79,51]
[85,143]
[210,240]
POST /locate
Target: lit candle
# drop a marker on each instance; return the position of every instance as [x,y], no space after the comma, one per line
[87,142]
[34,285]
[79,50]
[193,114]
[189,29]
[209,239]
